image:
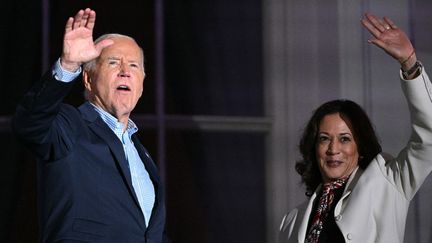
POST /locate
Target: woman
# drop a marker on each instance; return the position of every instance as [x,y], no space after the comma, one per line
[356,194]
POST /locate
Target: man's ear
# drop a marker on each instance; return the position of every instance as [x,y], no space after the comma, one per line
[87,80]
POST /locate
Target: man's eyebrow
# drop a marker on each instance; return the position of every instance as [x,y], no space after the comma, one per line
[118,58]
[113,58]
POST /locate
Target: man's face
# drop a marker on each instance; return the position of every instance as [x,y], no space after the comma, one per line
[116,82]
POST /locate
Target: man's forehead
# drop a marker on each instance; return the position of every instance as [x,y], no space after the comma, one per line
[124,47]
[128,53]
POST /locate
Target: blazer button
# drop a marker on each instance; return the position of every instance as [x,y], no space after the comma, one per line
[349,236]
[338,217]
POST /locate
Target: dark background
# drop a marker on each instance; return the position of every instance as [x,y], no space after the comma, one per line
[212,66]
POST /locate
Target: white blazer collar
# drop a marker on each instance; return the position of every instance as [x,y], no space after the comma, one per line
[352,181]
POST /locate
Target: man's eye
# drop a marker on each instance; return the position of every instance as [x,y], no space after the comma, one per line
[134,65]
[112,62]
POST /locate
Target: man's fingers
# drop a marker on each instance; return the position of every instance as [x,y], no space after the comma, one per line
[85,17]
[91,20]
[68,26]
[77,19]
[102,44]
[83,21]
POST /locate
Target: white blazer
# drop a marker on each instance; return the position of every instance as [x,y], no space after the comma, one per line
[374,205]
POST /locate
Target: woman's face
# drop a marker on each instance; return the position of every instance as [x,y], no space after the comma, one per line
[336,148]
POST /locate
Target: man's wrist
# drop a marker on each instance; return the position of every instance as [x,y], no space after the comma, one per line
[62,74]
[69,66]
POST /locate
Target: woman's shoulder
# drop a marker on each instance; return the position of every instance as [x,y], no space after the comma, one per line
[291,217]
[291,222]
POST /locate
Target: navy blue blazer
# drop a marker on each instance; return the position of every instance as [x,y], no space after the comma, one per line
[85,192]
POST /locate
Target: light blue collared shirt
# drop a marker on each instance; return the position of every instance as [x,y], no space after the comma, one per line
[141,182]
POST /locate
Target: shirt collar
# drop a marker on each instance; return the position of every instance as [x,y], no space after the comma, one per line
[114,124]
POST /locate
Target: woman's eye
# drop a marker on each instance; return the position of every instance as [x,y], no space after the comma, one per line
[345,139]
[322,138]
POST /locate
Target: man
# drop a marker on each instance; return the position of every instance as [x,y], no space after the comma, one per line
[96,182]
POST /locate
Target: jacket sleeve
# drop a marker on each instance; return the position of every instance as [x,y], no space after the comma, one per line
[414,163]
[42,122]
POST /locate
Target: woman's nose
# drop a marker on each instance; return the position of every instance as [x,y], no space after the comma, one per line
[333,148]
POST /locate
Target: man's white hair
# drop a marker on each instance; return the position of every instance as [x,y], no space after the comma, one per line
[88,66]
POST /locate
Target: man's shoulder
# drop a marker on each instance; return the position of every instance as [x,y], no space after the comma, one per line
[87,112]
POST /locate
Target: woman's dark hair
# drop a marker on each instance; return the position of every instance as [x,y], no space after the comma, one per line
[367,142]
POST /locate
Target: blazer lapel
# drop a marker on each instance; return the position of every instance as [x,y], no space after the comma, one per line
[304,223]
[352,181]
[147,160]
[98,126]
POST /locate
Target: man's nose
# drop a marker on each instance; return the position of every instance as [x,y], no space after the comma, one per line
[124,70]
